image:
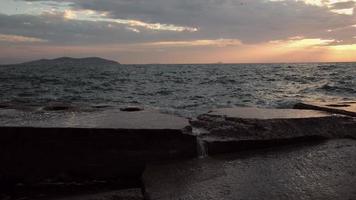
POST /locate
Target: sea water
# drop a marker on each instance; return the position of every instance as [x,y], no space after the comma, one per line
[186,89]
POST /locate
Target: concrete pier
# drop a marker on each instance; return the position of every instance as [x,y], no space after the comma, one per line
[232,153]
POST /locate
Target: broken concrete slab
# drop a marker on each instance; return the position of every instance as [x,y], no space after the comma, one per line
[316,171]
[233,129]
[344,108]
[265,114]
[91,145]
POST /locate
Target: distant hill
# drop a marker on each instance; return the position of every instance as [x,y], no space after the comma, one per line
[62,61]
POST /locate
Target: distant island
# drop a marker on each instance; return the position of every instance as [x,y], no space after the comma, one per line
[89,61]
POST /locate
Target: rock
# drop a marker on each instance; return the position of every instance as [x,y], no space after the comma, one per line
[131,109]
[234,129]
[59,107]
[17,106]
[4,105]
[100,106]
[344,108]
[315,171]
[101,145]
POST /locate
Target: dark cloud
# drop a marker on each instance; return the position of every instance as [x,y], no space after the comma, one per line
[249,21]
[58,30]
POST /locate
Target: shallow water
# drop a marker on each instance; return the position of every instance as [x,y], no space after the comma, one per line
[186,90]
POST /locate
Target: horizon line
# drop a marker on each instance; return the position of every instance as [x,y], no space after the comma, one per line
[192,63]
[232,63]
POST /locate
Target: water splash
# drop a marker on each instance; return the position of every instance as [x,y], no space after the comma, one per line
[201,148]
[201,145]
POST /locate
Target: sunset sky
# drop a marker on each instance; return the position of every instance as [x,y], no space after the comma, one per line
[179,31]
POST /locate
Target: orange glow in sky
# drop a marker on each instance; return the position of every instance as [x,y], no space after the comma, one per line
[199,31]
[204,51]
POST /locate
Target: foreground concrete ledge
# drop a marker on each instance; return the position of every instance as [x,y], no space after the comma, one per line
[233,129]
[344,108]
[315,171]
[128,194]
[80,146]
[75,194]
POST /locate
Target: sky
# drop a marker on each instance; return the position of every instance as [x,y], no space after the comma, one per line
[179,31]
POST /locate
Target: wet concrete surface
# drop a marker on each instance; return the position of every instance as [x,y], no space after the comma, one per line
[109,119]
[322,170]
[344,108]
[260,113]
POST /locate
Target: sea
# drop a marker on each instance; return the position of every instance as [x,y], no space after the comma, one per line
[181,89]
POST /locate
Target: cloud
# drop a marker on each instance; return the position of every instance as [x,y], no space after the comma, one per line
[55,28]
[343,5]
[95,16]
[194,43]
[20,39]
[135,24]
[248,21]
